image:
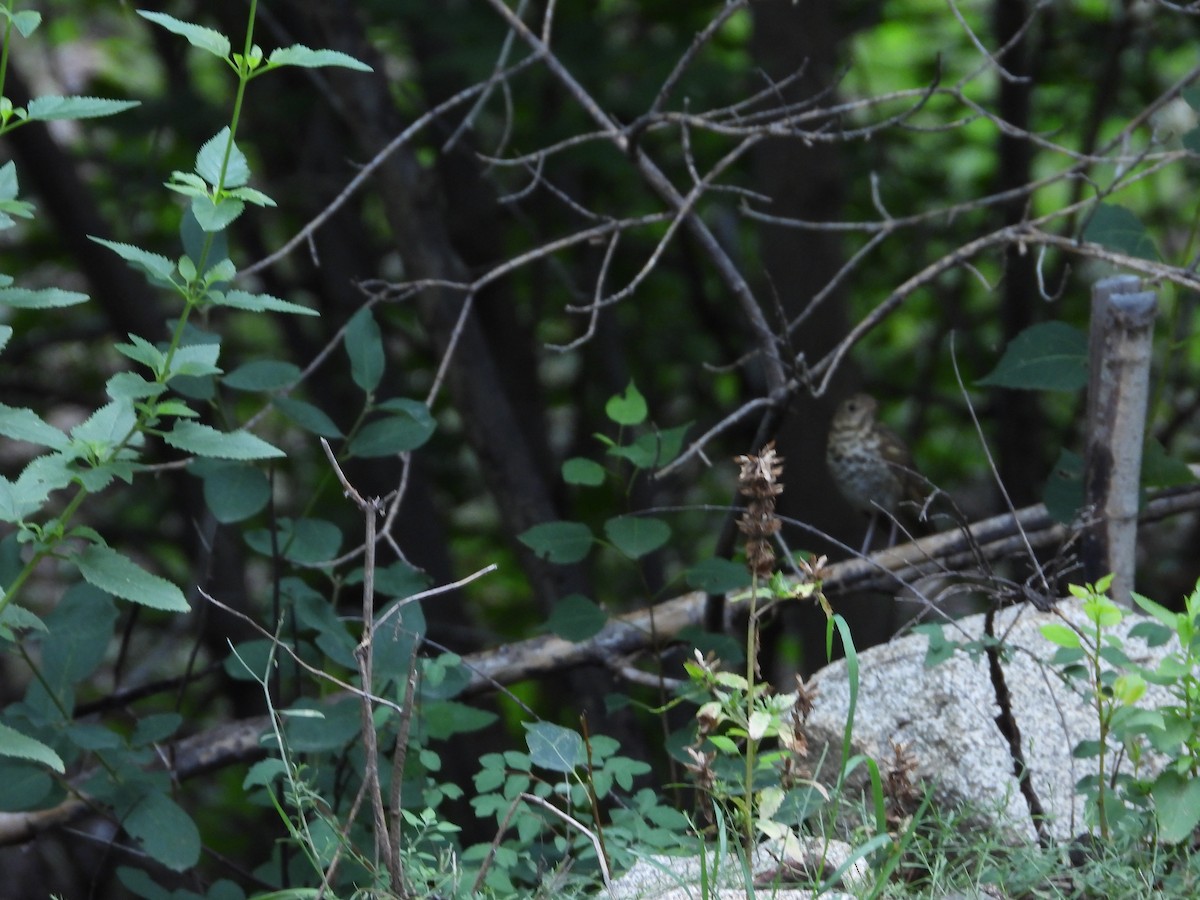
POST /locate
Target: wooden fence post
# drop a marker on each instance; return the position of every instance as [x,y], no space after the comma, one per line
[1122,328]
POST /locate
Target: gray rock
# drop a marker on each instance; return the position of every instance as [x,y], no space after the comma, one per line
[945,716]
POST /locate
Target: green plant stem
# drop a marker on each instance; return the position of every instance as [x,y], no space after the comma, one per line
[8,27]
[751,743]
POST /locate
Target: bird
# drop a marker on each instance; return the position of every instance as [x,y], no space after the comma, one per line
[870,464]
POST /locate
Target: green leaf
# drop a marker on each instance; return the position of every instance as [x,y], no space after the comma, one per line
[1059,634]
[263,375]
[154,728]
[158,268]
[1176,805]
[233,492]
[120,576]
[203,440]
[79,630]
[25,425]
[411,427]
[307,541]
[250,195]
[46,109]
[107,427]
[205,38]
[655,449]
[1063,494]
[1051,356]
[635,536]
[131,386]
[211,157]
[364,345]
[36,482]
[21,746]
[583,471]
[259,303]
[213,216]
[142,351]
[16,618]
[307,416]
[558,542]
[337,728]
[442,719]
[26,21]
[576,618]
[395,641]
[1159,470]
[554,747]
[1117,228]
[248,661]
[718,576]
[6,334]
[397,580]
[167,833]
[628,408]
[44,298]
[195,360]
[299,55]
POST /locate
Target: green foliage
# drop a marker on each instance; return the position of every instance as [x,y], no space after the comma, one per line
[1096,659]
[1052,356]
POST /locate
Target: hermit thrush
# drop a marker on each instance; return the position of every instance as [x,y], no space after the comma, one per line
[870,464]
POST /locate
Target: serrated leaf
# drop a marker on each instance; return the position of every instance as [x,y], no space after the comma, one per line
[212,216]
[250,195]
[131,386]
[141,350]
[635,536]
[260,303]
[167,833]
[203,440]
[26,425]
[120,576]
[22,746]
[43,298]
[554,747]
[307,416]
[263,375]
[195,360]
[205,38]
[364,346]
[157,267]
[576,618]
[299,55]
[211,157]
[1051,356]
[628,408]
[46,109]
[1117,228]
[718,576]
[579,470]
[17,618]
[558,542]
[108,426]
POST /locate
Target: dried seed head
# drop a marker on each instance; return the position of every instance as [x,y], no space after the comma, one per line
[759,481]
